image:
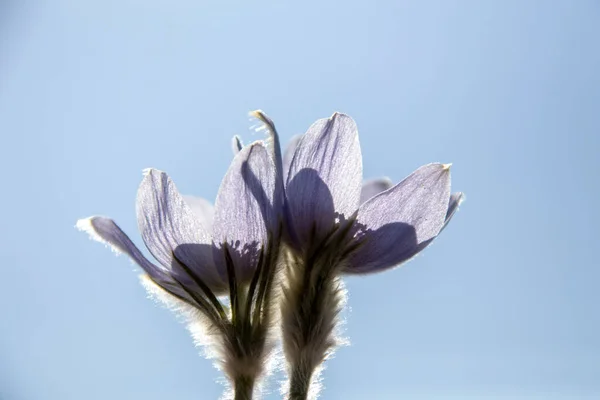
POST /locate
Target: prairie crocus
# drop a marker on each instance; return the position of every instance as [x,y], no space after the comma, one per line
[200,259]
[331,229]
[369,188]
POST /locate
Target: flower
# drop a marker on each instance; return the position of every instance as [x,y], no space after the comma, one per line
[199,259]
[176,231]
[204,210]
[337,225]
[391,224]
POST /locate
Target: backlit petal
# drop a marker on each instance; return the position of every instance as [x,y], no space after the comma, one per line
[396,224]
[373,187]
[203,209]
[325,175]
[172,231]
[245,215]
[106,231]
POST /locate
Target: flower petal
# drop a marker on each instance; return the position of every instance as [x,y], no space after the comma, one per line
[398,223]
[373,187]
[236,144]
[272,143]
[106,231]
[288,154]
[455,201]
[171,230]
[325,174]
[245,215]
[203,209]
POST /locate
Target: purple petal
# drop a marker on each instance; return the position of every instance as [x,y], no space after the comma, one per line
[373,187]
[236,144]
[171,230]
[455,200]
[288,154]
[275,149]
[396,224]
[324,179]
[106,231]
[202,209]
[245,215]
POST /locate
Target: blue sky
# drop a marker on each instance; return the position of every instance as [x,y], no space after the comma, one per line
[504,305]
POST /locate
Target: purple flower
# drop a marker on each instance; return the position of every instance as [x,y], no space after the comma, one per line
[204,210]
[391,224]
[181,236]
[370,187]
[335,224]
[199,259]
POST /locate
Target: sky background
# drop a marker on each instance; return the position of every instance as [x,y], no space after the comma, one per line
[504,305]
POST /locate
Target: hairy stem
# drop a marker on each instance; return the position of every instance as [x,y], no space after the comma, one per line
[312,300]
[243,387]
[300,382]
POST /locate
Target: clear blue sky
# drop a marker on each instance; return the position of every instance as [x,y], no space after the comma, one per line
[503,305]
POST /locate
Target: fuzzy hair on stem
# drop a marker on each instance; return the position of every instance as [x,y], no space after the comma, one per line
[242,340]
[313,295]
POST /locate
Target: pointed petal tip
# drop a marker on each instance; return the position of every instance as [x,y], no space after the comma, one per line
[446,167]
[460,196]
[150,171]
[86,225]
[256,143]
[259,114]
[264,118]
[339,114]
[236,144]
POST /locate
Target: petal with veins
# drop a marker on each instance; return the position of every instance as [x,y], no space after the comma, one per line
[373,187]
[171,230]
[202,208]
[106,231]
[324,179]
[245,214]
[396,224]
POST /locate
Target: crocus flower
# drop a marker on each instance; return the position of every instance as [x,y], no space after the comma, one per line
[204,210]
[199,259]
[332,229]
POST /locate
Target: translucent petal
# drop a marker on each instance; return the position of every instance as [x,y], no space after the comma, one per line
[171,230]
[396,224]
[455,200]
[324,179]
[203,209]
[245,215]
[106,231]
[288,154]
[373,187]
[236,144]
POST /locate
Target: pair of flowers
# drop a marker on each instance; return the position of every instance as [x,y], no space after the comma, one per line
[282,232]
